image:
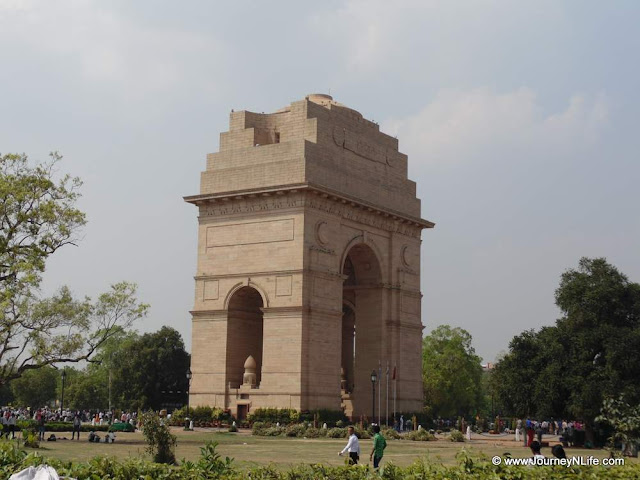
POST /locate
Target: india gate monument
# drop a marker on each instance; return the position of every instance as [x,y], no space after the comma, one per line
[308,273]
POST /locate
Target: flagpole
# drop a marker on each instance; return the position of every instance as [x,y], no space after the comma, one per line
[395,389]
[386,411]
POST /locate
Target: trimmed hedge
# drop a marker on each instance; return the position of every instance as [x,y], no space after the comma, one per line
[201,416]
[285,416]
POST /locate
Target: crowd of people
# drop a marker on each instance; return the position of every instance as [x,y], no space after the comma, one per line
[528,429]
[11,416]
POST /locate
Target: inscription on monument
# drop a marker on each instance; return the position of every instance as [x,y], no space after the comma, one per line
[250,233]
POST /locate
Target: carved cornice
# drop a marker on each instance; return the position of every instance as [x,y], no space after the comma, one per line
[308,196]
[318,248]
[244,275]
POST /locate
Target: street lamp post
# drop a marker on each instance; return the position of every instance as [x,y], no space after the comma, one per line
[374,378]
[188,375]
[64,375]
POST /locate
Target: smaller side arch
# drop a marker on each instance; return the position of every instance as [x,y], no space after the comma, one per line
[246,283]
[366,240]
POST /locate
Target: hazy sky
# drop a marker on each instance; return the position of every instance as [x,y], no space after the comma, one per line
[520,120]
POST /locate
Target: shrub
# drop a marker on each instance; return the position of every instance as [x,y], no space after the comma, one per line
[456,436]
[331,417]
[27,424]
[161,443]
[233,428]
[295,430]
[391,434]
[272,431]
[337,432]
[312,432]
[283,416]
[362,433]
[210,464]
[258,428]
[30,439]
[419,436]
[10,453]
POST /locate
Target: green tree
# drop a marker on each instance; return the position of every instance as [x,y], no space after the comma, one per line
[6,395]
[38,216]
[36,388]
[601,321]
[146,369]
[86,390]
[452,372]
[530,379]
[591,353]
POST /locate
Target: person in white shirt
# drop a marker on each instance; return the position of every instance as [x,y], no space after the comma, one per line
[353,447]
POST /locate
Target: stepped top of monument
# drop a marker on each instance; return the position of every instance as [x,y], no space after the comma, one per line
[318,98]
[315,142]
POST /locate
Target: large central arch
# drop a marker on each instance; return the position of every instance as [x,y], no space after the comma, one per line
[362,327]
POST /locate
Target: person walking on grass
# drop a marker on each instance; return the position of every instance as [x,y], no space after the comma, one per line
[379,444]
[40,421]
[353,447]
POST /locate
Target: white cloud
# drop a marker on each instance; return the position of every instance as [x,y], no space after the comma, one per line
[458,125]
[109,48]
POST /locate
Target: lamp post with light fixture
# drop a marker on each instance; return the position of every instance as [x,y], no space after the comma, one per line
[374,379]
[188,418]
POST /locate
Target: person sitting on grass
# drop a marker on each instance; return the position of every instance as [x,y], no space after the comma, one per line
[535,449]
[379,444]
[558,451]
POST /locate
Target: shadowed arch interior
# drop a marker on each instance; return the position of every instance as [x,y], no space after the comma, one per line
[244,334]
[361,327]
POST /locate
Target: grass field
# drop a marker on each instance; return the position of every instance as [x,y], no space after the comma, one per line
[248,450]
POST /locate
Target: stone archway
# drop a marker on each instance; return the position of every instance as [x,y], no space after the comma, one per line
[245,328]
[362,327]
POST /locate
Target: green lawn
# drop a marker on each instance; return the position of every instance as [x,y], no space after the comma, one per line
[248,450]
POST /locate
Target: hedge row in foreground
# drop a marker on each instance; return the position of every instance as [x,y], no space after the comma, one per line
[211,466]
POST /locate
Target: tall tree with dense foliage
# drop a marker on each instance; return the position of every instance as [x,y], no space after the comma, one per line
[601,321]
[591,353]
[36,388]
[148,368]
[452,373]
[86,389]
[38,216]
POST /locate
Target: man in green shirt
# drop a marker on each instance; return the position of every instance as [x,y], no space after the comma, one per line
[379,444]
